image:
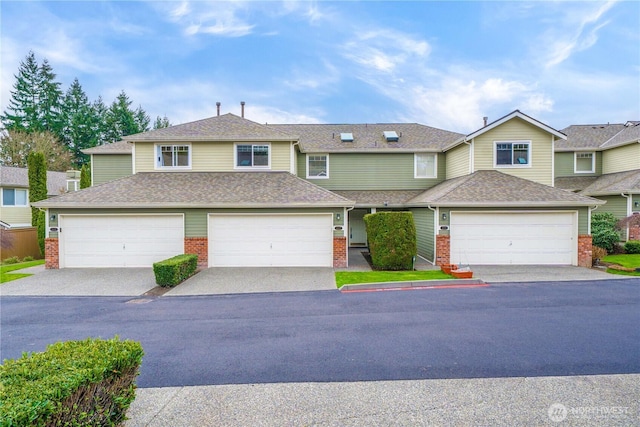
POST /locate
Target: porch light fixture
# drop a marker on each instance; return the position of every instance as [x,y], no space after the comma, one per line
[444,216]
[338,217]
[52,217]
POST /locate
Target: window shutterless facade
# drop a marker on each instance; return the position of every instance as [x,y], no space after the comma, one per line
[252,156]
[14,197]
[317,166]
[173,156]
[425,165]
[585,163]
[512,154]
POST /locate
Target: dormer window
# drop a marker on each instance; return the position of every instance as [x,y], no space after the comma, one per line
[252,156]
[513,154]
[585,163]
[391,136]
[173,156]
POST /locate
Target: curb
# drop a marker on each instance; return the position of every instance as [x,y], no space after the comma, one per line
[420,284]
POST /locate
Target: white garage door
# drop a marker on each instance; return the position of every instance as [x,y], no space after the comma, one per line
[119,240]
[514,238]
[271,240]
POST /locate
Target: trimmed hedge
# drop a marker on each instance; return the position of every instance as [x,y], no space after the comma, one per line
[632,247]
[173,271]
[73,383]
[392,240]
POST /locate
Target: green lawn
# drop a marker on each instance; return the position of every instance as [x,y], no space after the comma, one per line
[356,277]
[625,260]
[5,269]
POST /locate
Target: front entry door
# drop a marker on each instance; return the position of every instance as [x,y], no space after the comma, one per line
[357,230]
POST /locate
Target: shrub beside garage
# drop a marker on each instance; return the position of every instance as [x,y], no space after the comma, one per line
[392,240]
[72,383]
[176,270]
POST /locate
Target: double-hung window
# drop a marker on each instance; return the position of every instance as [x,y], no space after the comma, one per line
[425,165]
[317,166]
[173,156]
[252,156]
[14,197]
[585,163]
[516,153]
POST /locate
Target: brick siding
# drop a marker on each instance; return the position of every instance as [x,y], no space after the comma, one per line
[51,254]
[443,249]
[200,247]
[339,252]
[634,232]
[585,250]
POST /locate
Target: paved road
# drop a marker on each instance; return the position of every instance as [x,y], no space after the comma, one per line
[525,330]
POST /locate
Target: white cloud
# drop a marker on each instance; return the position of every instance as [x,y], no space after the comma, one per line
[318,79]
[214,18]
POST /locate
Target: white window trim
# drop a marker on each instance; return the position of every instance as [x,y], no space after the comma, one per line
[516,166]
[415,166]
[593,161]
[14,189]
[156,154]
[315,176]
[248,168]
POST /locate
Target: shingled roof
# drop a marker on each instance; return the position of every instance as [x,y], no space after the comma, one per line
[201,190]
[19,178]
[377,198]
[488,188]
[325,138]
[119,147]
[574,183]
[614,183]
[599,137]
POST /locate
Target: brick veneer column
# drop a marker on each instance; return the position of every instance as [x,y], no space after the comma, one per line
[634,232]
[51,254]
[200,247]
[585,251]
[443,249]
[339,252]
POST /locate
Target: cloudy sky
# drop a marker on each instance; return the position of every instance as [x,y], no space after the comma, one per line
[444,64]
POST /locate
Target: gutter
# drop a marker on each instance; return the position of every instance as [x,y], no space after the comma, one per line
[628,197]
[435,229]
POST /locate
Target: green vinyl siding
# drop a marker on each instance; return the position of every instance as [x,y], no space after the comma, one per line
[423,219]
[195,220]
[565,165]
[108,167]
[617,205]
[372,171]
[458,161]
[621,159]
[15,214]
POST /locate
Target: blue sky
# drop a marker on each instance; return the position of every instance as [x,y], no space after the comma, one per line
[444,64]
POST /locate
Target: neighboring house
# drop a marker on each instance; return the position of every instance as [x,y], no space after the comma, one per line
[14,194]
[603,161]
[239,193]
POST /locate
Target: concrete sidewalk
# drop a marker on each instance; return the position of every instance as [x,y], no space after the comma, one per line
[610,400]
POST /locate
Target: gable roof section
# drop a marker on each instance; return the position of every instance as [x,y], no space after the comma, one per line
[201,190]
[629,135]
[599,137]
[119,147]
[227,127]
[614,184]
[325,138]
[504,119]
[19,178]
[489,188]
[574,183]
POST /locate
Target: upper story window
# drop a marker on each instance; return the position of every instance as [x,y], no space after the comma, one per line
[14,197]
[253,156]
[173,156]
[516,153]
[425,165]
[585,163]
[317,166]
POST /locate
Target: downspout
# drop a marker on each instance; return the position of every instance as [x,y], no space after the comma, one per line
[294,161]
[471,165]
[628,213]
[346,229]
[589,218]
[435,233]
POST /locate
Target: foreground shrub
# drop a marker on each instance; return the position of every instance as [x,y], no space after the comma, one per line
[73,383]
[597,253]
[392,240]
[12,260]
[27,258]
[604,231]
[632,247]
[173,271]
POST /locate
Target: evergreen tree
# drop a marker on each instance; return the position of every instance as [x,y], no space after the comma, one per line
[161,122]
[22,111]
[50,101]
[81,123]
[38,191]
[100,127]
[121,120]
[85,176]
[142,120]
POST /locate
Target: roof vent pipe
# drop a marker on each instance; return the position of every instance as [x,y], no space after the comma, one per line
[485,119]
[242,109]
[218,107]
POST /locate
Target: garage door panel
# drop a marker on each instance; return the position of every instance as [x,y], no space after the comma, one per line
[513,238]
[119,240]
[270,240]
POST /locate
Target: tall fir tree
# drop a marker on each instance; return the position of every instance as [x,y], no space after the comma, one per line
[50,101]
[81,123]
[22,112]
[121,120]
[161,122]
